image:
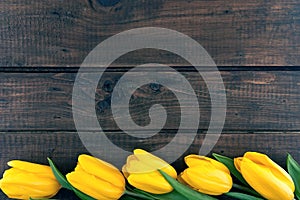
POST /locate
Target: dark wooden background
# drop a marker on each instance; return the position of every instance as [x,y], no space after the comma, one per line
[255,44]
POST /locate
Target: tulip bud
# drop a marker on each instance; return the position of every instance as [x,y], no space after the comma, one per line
[265,176]
[28,180]
[97,178]
[141,172]
[206,175]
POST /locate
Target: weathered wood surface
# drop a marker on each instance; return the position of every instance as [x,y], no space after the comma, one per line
[64,147]
[256,100]
[256,45]
[61,33]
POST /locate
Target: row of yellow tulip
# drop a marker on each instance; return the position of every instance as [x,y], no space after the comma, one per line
[150,177]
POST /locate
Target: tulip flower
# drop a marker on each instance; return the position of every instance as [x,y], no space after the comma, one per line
[141,172]
[265,176]
[206,175]
[28,180]
[97,178]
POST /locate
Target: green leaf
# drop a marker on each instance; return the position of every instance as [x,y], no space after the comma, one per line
[150,195]
[294,170]
[174,195]
[242,196]
[187,192]
[81,195]
[138,195]
[127,197]
[246,189]
[229,163]
[58,175]
[64,182]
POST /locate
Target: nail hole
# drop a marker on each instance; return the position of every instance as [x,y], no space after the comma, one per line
[102,105]
[107,86]
[155,87]
[54,89]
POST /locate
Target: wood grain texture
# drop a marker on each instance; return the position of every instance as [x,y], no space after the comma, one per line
[256,45]
[64,147]
[256,100]
[37,33]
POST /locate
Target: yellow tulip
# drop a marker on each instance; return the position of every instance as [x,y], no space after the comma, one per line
[206,175]
[141,172]
[97,178]
[25,180]
[265,176]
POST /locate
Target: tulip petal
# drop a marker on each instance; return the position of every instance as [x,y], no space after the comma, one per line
[20,185]
[134,165]
[208,180]
[101,169]
[232,166]
[150,182]
[93,186]
[237,163]
[184,190]
[153,163]
[65,184]
[141,172]
[42,170]
[24,192]
[125,171]
[264,182]
[196,160]
[277,171]
[16,176]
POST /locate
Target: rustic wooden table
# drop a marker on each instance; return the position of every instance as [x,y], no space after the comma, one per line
[255,44]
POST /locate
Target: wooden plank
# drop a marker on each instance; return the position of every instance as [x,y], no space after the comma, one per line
[234,33]
[256,100]
[64,147]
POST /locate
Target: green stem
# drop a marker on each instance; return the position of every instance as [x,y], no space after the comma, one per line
[133,194]
[246,189]
[241,196]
